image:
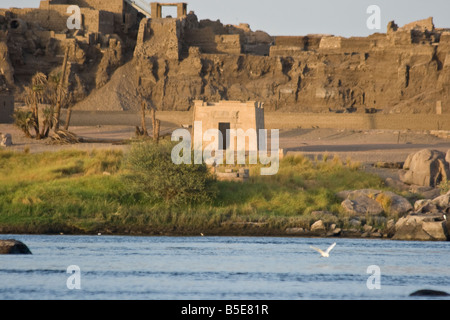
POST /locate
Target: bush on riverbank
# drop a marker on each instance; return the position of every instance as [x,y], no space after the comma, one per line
[84,192]
[151,171]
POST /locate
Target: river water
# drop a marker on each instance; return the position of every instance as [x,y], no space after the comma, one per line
[221,268]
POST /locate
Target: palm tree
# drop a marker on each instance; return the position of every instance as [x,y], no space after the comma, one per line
[49,121]
[24,120]
[34,95]
[61,92]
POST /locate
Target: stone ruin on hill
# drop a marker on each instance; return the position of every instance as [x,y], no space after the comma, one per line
[120,54]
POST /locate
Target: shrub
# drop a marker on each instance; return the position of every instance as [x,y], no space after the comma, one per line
[150,170]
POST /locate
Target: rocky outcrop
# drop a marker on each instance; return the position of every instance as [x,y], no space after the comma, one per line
[373,202]
[13,247]
[421,227]
[425,168]
[427,222]
[185,59]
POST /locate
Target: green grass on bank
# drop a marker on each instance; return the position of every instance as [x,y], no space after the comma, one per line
[84,192]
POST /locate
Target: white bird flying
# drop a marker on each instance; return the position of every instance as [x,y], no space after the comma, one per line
[324,254]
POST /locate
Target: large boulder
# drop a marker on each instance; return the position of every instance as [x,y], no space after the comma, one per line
[440,204]
[361,202]
[13,247]
[361,206]
[421,227]
[393,203]
[318,227]
[425,168]
[374,202]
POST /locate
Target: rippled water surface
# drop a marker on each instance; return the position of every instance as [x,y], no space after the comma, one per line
[221,268]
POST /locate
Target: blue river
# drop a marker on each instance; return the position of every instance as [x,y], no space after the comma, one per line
[220,268]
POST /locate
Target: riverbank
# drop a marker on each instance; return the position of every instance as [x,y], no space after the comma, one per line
[82,192]
[77,189]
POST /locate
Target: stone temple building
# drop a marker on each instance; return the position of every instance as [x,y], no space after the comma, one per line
[229,115]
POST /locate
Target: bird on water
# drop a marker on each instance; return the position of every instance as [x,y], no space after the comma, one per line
[326,253]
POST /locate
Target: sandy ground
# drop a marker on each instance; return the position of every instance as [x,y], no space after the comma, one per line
[366,146]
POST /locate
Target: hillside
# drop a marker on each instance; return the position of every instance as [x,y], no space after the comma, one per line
[173,61]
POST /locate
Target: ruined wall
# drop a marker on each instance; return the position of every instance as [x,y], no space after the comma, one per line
[345,45]
[214,37]
[229,43]
[6,108]
[203,38]
[252,42]
[420,25]
[98,21]
[292,46]
[94,52]
[208,42]
[159,38]
[54,17]
[330,43]
[313,73]
[177,61]
[117,7]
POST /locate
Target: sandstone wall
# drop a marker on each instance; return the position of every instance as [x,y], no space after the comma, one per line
[229,43]
[117,7]
[203,38]
[159,38]
[54,18]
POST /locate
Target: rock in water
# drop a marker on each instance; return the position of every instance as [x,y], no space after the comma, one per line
[421,227]
[429,293]
[13,247]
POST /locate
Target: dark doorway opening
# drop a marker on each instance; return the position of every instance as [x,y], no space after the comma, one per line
[224,128]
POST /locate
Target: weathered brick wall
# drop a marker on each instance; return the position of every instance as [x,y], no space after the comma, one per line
[288,46]
[54,17]
[291,41]
[117,7]
[203,38]
[209,42]
[229,43]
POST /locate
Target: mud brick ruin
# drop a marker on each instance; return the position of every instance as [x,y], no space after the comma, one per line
[127,49]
